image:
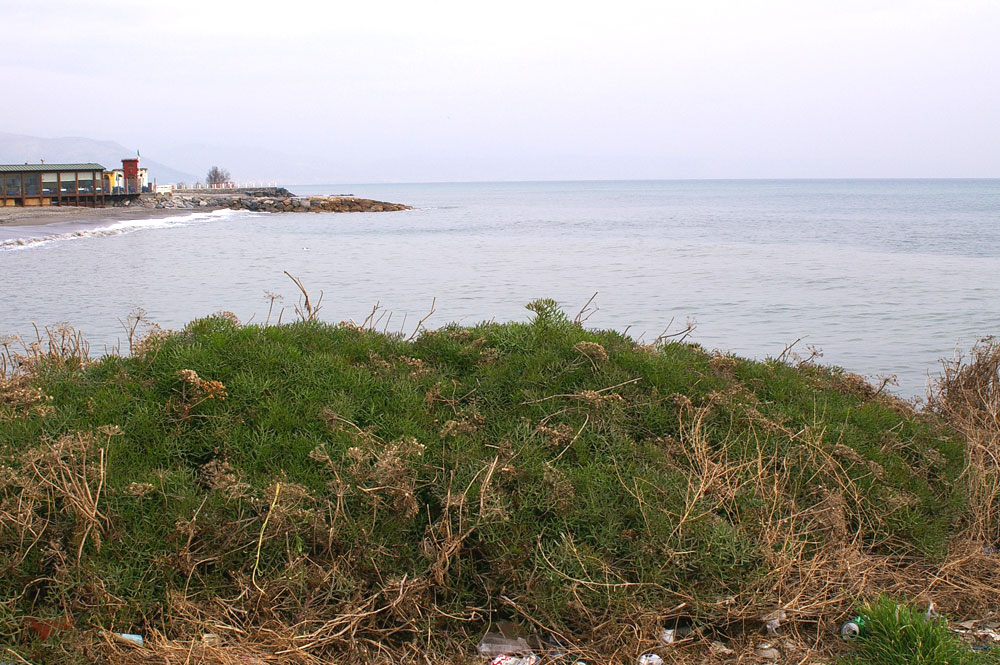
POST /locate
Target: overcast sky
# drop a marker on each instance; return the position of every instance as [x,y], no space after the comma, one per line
[424,91]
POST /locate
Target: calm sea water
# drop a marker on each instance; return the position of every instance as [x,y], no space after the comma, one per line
[886,277]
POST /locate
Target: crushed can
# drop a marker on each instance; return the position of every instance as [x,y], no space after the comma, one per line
[853,629]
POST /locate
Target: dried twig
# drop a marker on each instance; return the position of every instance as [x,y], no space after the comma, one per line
[420,324]
[580,319]
[580,395]
[260,540]
[308,311]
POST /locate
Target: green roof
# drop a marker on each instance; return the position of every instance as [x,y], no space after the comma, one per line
[36,168]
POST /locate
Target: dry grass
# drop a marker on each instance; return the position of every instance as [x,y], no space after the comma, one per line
[56,347]
[968,397]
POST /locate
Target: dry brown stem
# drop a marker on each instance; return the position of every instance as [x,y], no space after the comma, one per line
[308,311]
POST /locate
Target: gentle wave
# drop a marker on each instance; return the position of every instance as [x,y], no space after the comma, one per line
[117,228]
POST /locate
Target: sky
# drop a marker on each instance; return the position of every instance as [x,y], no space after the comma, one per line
[386,91]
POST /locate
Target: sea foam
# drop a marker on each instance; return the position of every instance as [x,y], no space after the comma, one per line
[115,228]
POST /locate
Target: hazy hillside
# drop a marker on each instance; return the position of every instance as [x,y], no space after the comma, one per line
[17,149]
[250,163]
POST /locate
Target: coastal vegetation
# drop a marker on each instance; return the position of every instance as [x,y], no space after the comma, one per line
[897,633]
[312,493]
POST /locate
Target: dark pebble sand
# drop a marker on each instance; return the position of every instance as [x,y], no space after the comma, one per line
[37,216]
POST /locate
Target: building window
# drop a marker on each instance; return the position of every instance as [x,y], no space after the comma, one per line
[68,182]
[50,184]
[86,184]
[31,184]
[12,185]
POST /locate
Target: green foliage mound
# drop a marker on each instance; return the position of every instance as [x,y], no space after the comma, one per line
[320,489]
[898,633]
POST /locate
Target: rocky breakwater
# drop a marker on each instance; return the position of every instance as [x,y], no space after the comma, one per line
[313,204]
[270,200]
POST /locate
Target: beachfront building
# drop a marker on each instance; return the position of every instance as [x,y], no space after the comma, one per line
[114,181]
[52,184]
[136,179]
[130,179]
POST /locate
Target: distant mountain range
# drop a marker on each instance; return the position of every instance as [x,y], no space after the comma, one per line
[18,149]
[253,163]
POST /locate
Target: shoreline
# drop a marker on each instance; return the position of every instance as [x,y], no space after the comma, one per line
[43,216]
[158,206]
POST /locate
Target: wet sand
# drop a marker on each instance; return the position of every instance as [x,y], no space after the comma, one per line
[39,216]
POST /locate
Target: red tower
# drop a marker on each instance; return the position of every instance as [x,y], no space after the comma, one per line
[130,168]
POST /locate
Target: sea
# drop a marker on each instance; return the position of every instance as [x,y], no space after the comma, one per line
[885,278]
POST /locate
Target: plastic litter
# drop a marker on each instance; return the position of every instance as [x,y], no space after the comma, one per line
[131,637]
[508,659]
[719,649]
[495,644]
[931,613]
[971,629]
[768,652]
[668,636]
[650,659]
[773,621]
[46,628]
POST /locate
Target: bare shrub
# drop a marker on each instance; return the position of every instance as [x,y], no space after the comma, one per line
[68,472]
[61,347]
[967,395]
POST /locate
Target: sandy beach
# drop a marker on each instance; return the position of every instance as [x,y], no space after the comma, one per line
[34,216]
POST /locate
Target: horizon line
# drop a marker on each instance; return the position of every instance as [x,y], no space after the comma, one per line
[609,180]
